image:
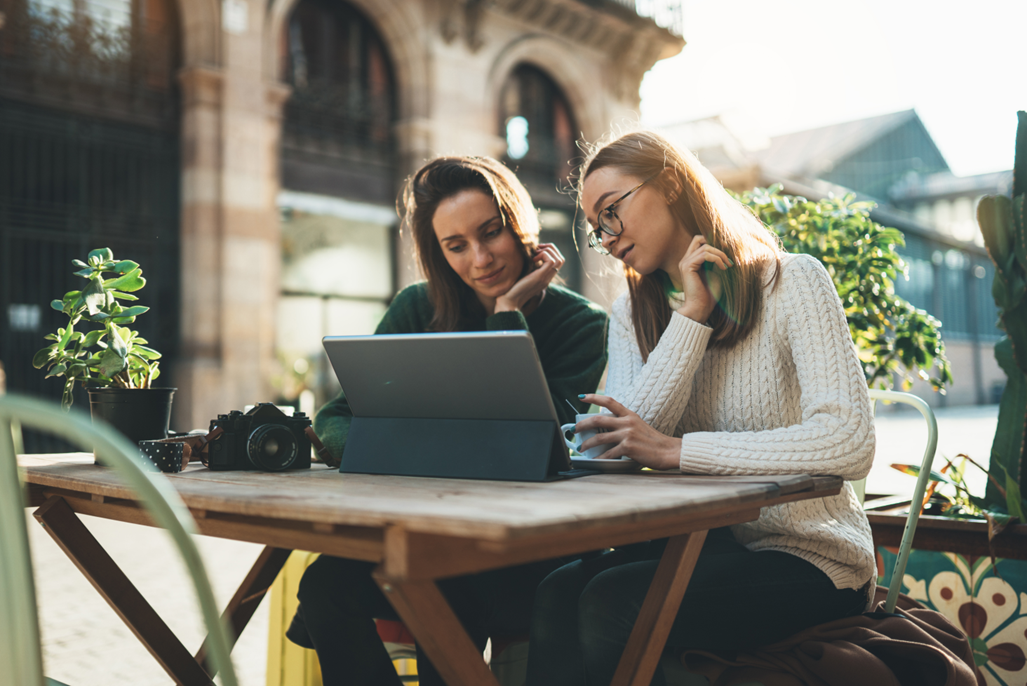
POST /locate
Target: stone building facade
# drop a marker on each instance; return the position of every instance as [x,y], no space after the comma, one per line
[296,122]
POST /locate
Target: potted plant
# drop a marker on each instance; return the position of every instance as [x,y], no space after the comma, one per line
[99,349]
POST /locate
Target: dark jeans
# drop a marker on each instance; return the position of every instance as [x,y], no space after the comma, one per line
[737,599]
[339,602]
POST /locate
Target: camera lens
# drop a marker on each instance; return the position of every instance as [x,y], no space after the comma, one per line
[272,447]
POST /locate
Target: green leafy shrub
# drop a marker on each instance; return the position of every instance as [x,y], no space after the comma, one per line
[891,336]
[112,354]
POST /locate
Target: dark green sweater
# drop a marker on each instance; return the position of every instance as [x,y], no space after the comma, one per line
[569,333]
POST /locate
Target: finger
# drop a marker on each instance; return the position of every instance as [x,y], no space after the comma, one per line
[550,255]
[612,439]
[696,259]
[552,247]
[697,242]
[605,401]
[599,422]
[614,453]
[557,256]
[544,259]
[717,260]
[720,254]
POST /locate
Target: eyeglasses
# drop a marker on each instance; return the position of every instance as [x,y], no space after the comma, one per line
[609,222]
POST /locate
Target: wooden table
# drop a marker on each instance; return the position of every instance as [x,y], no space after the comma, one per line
[419,530]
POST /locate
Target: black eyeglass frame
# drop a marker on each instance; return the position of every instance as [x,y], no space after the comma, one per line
[595,241]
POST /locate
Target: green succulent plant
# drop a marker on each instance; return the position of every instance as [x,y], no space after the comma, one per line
[97,347]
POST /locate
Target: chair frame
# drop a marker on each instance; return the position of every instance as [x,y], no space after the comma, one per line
[20,652]
[898,571]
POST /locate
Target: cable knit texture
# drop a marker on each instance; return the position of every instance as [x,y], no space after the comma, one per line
[788,399]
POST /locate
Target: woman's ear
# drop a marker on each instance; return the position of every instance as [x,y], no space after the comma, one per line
[673,190]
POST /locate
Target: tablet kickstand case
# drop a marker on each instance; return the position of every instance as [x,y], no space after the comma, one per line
[466,405]
[497,449]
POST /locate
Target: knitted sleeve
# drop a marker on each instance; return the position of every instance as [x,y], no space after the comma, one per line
[836,433]
[659,389]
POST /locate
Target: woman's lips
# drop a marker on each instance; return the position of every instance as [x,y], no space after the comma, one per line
[623,256]
[491,277]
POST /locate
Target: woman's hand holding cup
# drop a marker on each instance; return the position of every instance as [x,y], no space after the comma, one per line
[625,434]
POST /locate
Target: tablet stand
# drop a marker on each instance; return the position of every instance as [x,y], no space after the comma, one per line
[496,449]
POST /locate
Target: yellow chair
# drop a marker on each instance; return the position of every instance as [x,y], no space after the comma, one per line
[291,665]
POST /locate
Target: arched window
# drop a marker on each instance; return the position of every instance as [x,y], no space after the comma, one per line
[338,218]
[540,133]
[342,104]
[538,126]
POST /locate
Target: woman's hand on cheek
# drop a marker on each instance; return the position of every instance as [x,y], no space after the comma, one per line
[627,435]
[547,262]
[699,301]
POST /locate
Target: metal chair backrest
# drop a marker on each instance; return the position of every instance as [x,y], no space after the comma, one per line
[20,653]
[918,493]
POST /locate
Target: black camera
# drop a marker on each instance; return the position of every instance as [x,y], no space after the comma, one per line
[263,438]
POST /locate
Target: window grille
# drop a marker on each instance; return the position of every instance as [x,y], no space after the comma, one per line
[342,99]
[112,58]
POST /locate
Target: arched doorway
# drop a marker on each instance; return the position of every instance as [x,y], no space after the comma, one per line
[338,179]
[89,157]
[540,132]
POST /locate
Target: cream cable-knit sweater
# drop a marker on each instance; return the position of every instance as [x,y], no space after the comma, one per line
[790,398]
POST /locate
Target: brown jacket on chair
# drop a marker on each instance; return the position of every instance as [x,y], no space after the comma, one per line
[914,647]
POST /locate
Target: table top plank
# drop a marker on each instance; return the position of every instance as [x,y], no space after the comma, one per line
[492,510]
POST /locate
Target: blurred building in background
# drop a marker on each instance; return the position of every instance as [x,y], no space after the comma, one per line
[891,160]
[248,154]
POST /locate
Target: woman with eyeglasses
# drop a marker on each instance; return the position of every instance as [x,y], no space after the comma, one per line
[727,356]
[476,234]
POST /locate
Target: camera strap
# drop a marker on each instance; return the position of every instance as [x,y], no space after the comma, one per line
[322,452]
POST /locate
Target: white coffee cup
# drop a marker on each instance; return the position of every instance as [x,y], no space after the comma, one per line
[579,438]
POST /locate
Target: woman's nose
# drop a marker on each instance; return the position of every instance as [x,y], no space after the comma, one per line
[607,241]
[482,255]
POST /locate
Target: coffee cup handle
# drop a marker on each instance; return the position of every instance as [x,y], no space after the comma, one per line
[563,432]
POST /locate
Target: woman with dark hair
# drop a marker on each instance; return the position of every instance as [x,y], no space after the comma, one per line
[727,356]
[476,235]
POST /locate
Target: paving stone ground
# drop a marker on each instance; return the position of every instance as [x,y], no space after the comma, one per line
[86,644]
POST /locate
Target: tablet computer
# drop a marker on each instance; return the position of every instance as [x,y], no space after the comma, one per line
[463,405]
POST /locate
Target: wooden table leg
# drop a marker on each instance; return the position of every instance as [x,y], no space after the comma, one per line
[642,653]
[78,543]
[426,613]
[247,597]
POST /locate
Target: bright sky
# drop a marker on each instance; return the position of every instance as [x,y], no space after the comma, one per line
[778,67]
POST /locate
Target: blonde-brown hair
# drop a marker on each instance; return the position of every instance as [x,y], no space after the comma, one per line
[443,178]
[701,207]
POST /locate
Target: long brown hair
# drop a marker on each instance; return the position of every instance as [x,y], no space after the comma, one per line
[443,178]
[702,207]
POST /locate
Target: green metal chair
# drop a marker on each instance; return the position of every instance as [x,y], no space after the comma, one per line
[20,652]
[918,492]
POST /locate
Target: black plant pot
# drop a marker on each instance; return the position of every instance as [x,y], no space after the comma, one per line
[139,413]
